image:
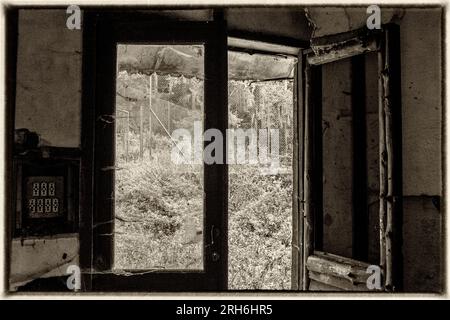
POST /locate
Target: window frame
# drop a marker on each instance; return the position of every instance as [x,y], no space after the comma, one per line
[101,32]
[386,42]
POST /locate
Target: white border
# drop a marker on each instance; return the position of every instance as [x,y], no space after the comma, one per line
[215,296]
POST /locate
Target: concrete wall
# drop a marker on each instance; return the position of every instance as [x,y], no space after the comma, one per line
[337,157]
[48,97]
[48,101]
[420,32]
[42,258]
[279,22]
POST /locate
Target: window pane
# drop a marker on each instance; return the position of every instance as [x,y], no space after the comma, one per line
[260,187]
[158,187]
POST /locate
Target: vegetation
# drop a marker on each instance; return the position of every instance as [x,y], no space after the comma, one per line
[159,205]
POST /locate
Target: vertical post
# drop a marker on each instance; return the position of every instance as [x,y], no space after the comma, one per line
[308,221]
[297,199]
[150,129]
[392,111]
[382,160]
[141,132]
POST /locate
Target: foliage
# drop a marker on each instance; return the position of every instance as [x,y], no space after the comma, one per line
[155,200]
[159,204]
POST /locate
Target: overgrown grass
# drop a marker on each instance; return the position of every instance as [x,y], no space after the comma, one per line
[159,214]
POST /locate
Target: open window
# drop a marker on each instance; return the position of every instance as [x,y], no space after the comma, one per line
[260,164]
[352,133]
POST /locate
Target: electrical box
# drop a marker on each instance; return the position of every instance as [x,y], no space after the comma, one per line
[46,196]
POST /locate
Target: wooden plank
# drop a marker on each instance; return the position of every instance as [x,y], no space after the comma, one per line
[329,49]
[319,286]
[352,272]
[336,282]
[341,259]
[301,158]
[87,189]
[256,45]
[308,232]
[389,173]
[362,34]
[296,251]
[392,111]
[382,161]
[297,205]
[11,34]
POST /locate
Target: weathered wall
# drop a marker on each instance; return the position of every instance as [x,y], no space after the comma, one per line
[48,101]
[279,22]
[42,258]
[421,64]
[337,157]
[48,96]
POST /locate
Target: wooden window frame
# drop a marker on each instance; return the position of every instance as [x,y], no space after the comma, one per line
[101,32]
[310,263]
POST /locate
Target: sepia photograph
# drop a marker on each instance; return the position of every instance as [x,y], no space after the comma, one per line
[269,148]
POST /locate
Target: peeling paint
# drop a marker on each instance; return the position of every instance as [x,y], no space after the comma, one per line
[34,258]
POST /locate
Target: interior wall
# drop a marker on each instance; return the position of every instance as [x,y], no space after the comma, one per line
[337,158]
[420,45]
[372,156]
[48,93]
[48,101]
[276,22]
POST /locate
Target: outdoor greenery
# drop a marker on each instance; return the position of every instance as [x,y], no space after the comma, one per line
[159,204]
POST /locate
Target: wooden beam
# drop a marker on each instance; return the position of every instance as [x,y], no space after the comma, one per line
[382,161]
[320,286]
[297,203]
[265,38]
[392,111]
[338,269]
[344,45]
[308,219]
[261,46]
[339,283]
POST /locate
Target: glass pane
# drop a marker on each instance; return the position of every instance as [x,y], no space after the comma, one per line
[260,180]
[158,187]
